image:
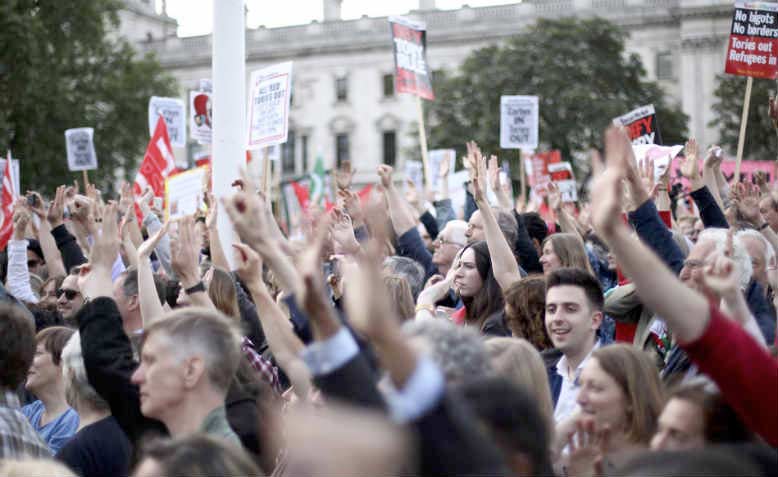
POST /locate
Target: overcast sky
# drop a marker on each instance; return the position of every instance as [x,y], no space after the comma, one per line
[195,16]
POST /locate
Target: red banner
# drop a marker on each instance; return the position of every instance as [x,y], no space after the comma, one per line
[753,41]
[7,204]
[412,74]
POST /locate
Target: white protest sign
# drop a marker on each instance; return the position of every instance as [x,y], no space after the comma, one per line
[14,173]
[456,189]
[172,109]
[562,175]
[184,193]
[519,122]
[661,155]
[436,157]
[200,116]
[414,172]
[79,143]
[269,95]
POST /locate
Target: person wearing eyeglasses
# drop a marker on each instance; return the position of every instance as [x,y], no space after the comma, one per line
[69,298]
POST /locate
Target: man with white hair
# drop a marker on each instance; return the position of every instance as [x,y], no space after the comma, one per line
[760,251]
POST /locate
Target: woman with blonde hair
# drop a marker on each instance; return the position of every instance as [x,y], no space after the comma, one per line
[564,250]
[516,360]
[400,296]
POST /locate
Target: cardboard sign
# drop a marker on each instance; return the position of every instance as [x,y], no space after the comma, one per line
[437,156]
[200,116]
[269,95]
[641,125]
[412,74]
[184,193]
[561,174]
[753,40]
[414,172]
[79,143]
[519,122]
[536,168]
[661,155]
[172,110]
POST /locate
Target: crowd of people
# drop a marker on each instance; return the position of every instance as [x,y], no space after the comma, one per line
[631,334]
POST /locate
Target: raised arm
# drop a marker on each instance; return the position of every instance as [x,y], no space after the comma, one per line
[153,225]
[711,170]
[66,242]
[150,306]
[402,219]
[493,171]
[710,212]
[218,256]
[504,266]
[17,280]
[48,246]
[185,254]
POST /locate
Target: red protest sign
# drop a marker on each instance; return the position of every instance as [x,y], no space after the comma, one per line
[753,40]
[641,125]
[412,73]
[537,169]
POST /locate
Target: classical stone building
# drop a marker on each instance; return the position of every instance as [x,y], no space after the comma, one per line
[344,105]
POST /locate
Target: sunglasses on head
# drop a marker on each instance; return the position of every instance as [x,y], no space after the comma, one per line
[69,294]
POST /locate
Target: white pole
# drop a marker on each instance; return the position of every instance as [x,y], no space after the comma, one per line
[229,106]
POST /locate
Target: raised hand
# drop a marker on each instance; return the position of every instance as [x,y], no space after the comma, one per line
[84,212]
[342,231]
[493,172]
[385,174]
[248,265]
[746,199]
[444,169]
[721,276]
[478,173]
[213,210]
[353,205]
[344,175]
[185,253]
[247,212]
[690,167]
[21,218]
[95,276]
[57,208]
[647,175]
[713,158]
[606,190]
[126,198]
[147,247]
[554,196]
[588,447]
[38,206]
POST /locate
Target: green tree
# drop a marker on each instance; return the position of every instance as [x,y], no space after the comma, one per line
[61,66]
[580,72]
[761,141]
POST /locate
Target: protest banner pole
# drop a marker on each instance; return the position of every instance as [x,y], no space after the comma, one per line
[229,111]
[522,178]
[266,172]
[86,179]
[423,144]
[743,124]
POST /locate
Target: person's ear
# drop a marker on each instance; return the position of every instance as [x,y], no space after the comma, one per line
[536,243]
[597,317]
[194,368]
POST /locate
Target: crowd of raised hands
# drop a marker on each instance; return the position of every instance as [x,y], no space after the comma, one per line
[632,333]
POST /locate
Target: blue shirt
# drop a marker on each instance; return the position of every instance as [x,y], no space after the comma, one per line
[57,432]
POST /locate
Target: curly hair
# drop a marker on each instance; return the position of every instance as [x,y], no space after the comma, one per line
[525,309]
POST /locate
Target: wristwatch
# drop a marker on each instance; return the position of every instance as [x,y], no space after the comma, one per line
[199,287]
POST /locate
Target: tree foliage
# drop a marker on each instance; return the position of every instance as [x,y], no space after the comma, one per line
[62,66]
[580,72]
[761,141]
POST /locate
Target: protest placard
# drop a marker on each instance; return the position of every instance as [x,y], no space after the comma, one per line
[172,110]
[412,73]
[437,156]
[661,155]
[200,116]
[184,193]
[269,94]
[414,173]
[561,173]
[519,122]
[641,125]
[536,168]
[753,40]
[79,143]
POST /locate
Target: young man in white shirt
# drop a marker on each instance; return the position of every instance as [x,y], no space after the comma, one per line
[574,304]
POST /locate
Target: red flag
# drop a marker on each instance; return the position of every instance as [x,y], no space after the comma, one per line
[6,204]
[158,163]
[303,195]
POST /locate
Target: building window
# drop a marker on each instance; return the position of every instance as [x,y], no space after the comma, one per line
[664,65]
[388,84]
[341,88]
[341,148]
[390,147]
[304,152]
[287,154]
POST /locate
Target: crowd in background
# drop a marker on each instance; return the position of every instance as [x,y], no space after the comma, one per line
[631,334]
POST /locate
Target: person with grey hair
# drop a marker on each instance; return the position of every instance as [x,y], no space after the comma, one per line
[460,352]
[760,251]
[407,268]
[99,446]
[125,292]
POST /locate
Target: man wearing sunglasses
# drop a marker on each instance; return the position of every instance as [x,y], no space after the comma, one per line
[69,299]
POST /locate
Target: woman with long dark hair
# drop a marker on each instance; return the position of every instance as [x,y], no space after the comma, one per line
[474,282]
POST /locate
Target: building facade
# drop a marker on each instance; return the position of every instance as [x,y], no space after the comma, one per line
[344,104]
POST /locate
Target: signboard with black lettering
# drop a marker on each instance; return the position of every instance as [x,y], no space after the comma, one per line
[519,122]
[412,74]
[753,40]
[641,125]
